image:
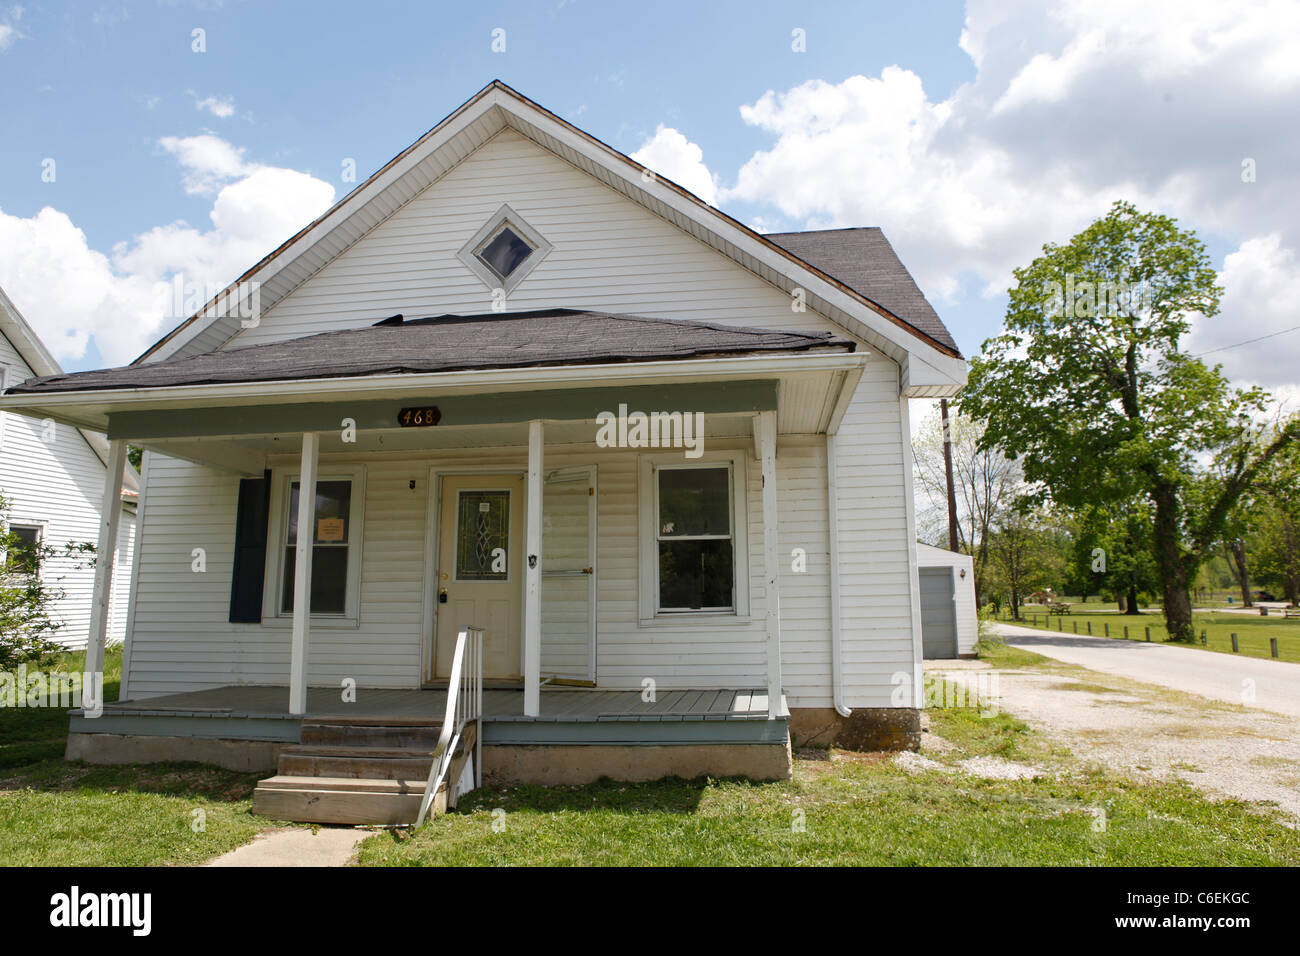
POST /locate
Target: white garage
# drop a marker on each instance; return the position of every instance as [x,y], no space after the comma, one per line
[949,625]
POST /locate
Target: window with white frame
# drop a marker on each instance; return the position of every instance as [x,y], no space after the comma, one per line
[336,544]
[504,250]
[23,552]
[693,551]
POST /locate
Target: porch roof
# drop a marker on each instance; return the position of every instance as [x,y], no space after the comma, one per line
[450,343]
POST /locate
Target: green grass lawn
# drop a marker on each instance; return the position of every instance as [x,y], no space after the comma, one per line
[861,810]
[840,808]
[1253,632]
[56,813]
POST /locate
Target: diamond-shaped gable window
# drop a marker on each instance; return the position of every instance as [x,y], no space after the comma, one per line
[505,253]
[504,250]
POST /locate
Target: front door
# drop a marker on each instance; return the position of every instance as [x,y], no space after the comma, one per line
[480,570]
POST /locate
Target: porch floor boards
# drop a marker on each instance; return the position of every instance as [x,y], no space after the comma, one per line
[558,705]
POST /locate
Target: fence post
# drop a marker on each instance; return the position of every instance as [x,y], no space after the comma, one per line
[1126,632]
[1076,627]
[1106,625]
[1090,627]
[1272,643]
[1203,641]
[1234,642]
[1148,635]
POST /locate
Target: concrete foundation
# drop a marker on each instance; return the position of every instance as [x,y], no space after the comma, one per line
[502,763]
[250,756]
[510,764]
[866,729]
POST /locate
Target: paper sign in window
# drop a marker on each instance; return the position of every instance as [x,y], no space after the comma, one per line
[329,529]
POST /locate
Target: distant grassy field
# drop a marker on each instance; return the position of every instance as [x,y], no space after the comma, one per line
[1252,632]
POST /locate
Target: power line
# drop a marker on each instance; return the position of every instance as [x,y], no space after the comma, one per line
[1234,345]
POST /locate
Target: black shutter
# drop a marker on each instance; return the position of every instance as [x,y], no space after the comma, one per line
[250,549]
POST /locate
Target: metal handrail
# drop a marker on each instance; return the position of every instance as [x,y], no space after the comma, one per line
[464,704]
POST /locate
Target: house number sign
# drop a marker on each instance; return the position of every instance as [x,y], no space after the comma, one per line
[418,417]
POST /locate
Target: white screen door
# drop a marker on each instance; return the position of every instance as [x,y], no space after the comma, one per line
[569,574]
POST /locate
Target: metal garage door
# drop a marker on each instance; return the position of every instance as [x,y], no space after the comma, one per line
[938,615]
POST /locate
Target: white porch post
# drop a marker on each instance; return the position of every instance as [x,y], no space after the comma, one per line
[302,573]
[110,514]
[533,576]
[771,562]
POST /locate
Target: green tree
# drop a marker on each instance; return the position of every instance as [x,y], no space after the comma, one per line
[1113,552]
[1088,386]
[1274,540]
[1025,554]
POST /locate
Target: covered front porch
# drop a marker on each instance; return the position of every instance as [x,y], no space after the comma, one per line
[334,750]
[408,432]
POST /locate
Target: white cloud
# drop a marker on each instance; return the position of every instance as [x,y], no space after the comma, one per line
[670,154]
[9,31]
[209,161]
[70,292]
[1073,105]
[1256,335]
[222,107]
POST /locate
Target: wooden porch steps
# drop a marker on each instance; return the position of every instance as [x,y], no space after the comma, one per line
[355,800]
[358,771]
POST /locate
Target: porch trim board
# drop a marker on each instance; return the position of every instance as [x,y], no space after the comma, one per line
[568,404]
[771,563]
[302,573]
[105,556]
[533,573]
[567,717]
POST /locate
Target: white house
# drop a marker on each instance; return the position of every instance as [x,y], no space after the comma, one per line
[660,459]
[53,476]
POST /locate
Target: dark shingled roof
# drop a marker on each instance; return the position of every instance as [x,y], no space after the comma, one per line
[863,260]
[448,343]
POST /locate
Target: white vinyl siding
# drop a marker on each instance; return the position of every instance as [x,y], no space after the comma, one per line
[879,648]
[609,254]
[59,484]
[183,640]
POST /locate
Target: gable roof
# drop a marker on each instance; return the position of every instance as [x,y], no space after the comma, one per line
[32,350]
[863,259]
[451,343]
[497,106]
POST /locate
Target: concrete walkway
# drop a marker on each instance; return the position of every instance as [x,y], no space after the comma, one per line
[296,846]
[1276,684]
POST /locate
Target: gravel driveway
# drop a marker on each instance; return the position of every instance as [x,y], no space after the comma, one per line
[1152,732]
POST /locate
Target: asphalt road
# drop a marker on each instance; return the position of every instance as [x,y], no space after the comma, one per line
[1276,684]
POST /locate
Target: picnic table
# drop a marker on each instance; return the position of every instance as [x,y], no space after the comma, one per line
[1058,607]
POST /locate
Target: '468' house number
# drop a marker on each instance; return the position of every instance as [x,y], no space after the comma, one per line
[415,417]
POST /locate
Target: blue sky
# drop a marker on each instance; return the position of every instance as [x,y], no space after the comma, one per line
[889,117]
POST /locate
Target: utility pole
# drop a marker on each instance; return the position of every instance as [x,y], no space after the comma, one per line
[947,467]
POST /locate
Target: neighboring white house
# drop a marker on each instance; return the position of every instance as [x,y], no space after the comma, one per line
[53,478]
[949,622]
[441,355]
